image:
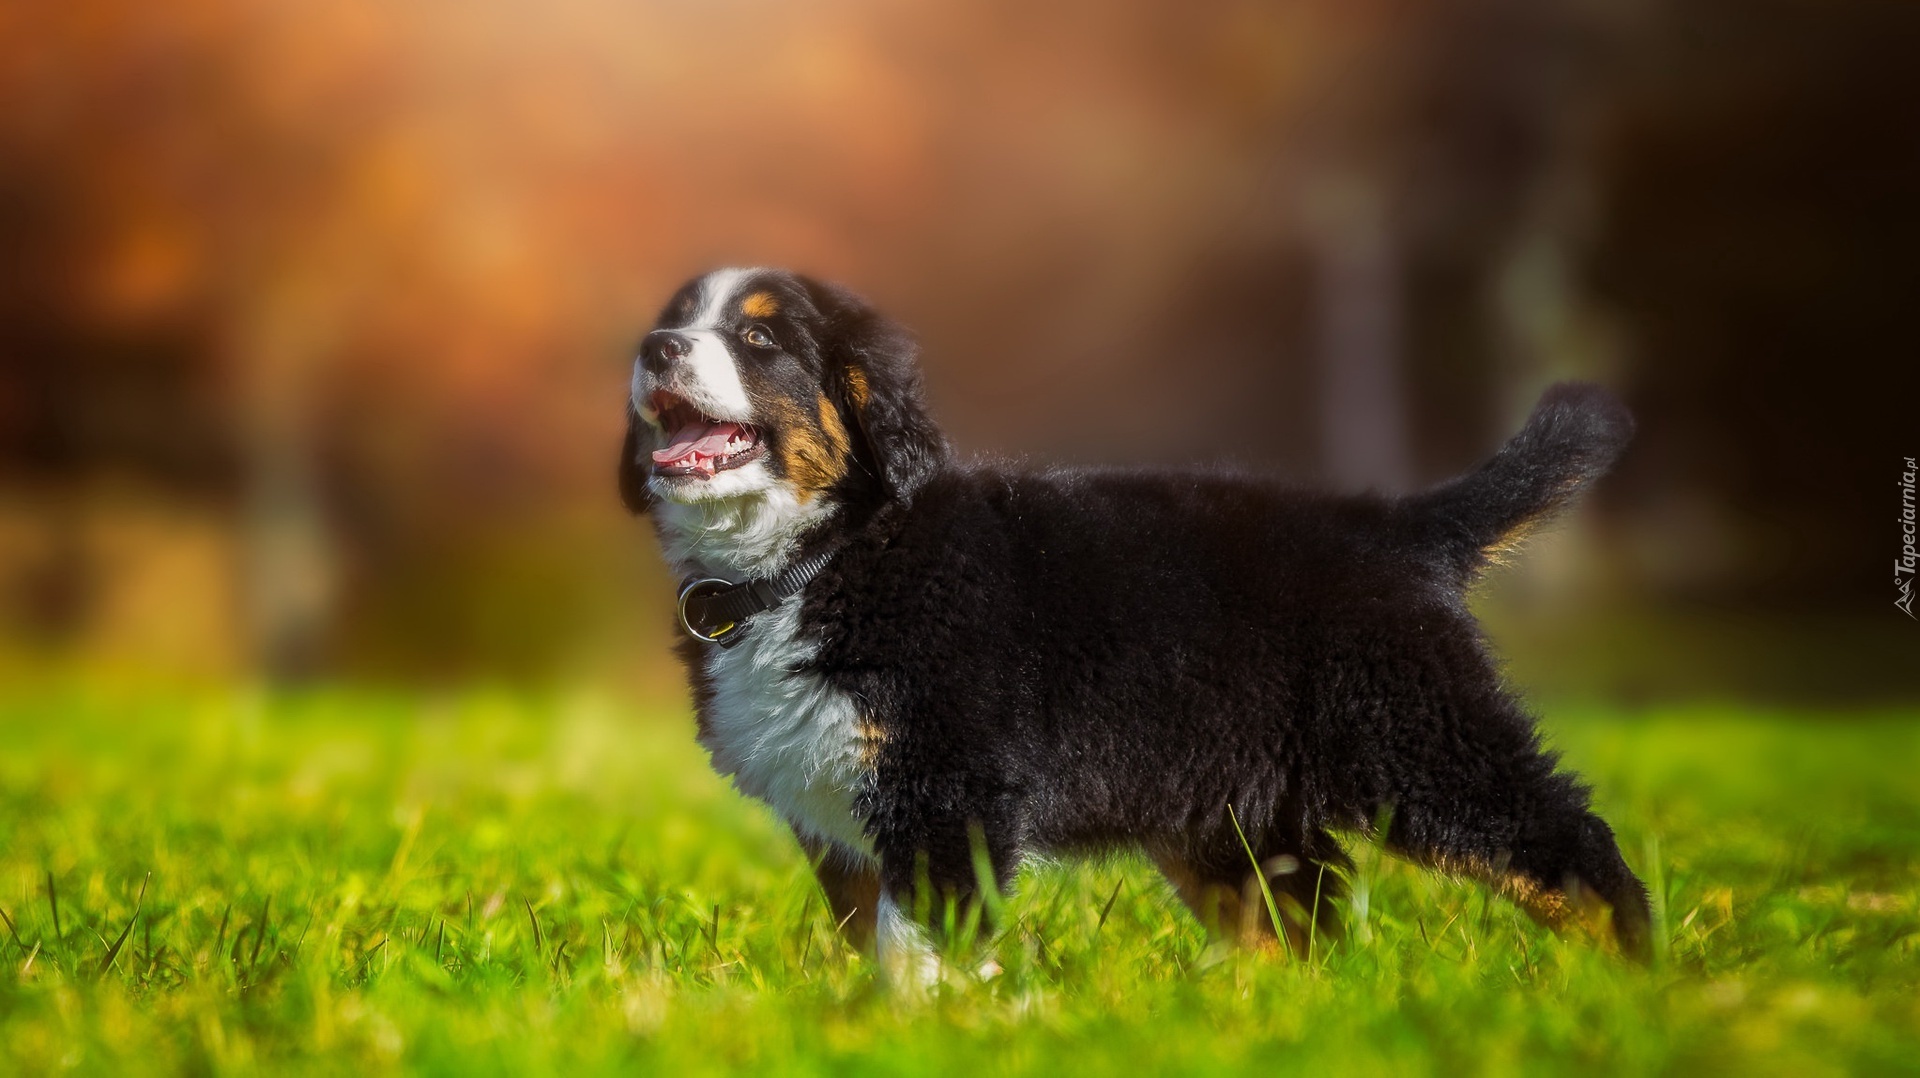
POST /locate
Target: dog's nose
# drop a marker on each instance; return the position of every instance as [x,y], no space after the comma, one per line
[662,348]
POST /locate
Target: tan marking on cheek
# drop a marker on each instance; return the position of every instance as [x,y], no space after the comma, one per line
[837,441]
[857,387]
[760,305]
[813,458]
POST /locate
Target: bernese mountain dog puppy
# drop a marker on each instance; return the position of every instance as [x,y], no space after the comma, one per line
[914,658]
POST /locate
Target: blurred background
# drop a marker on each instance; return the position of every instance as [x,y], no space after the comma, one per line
[315,320]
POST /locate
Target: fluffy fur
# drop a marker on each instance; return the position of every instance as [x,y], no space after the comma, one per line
[1071,660]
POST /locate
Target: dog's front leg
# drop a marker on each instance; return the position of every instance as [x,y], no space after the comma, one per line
[936,873]
[905,950]
[851,883]
[870,919]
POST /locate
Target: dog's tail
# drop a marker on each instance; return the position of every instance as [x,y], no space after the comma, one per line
[1574,435]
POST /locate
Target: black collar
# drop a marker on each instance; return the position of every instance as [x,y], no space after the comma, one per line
[715,611]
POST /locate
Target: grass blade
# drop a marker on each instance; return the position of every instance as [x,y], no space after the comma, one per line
[12,931]
[1260,873]
[983,875]
[301,943]
[1656,873]
[220,937]
[53,900]
[1313,915]
[260,936]
[539,937]
[113,952]
[366,958]
[1106,909]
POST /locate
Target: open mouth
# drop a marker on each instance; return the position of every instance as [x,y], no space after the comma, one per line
[699,445]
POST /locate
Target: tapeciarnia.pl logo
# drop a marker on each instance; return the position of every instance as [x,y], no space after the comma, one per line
[1903,565]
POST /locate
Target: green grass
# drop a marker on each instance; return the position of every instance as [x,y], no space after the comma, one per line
[474,882]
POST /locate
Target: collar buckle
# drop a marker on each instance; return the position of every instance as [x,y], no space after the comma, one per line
[715,611]
[704,587]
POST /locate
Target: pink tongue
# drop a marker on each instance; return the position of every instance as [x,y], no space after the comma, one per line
[696,444]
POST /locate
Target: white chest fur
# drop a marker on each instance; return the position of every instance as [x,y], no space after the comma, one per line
[786,736]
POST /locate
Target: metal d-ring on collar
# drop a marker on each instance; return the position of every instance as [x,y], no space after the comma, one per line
[692,589]
[715,611]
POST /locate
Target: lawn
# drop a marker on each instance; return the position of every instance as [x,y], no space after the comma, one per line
[334,880]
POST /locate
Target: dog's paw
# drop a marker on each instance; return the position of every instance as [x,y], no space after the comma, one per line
[908,961]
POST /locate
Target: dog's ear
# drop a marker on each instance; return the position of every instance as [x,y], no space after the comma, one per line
[636,461]
[872,367]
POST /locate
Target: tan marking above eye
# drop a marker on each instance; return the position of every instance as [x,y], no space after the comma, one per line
[760,305]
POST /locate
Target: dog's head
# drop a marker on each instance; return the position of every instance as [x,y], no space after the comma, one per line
[763,384]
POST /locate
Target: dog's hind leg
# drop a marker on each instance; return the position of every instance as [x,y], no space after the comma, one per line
[1223,891]
[1560,869]
[1316,885]
[1498,812]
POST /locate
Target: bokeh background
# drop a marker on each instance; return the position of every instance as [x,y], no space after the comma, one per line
[315,320]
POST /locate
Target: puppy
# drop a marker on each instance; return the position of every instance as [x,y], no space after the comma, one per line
[911,657]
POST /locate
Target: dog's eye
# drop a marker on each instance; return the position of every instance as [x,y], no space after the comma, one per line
[758,337]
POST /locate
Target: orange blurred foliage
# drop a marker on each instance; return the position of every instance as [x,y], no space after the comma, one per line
[315,318]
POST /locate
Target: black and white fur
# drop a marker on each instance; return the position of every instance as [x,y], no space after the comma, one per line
[1073,660]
